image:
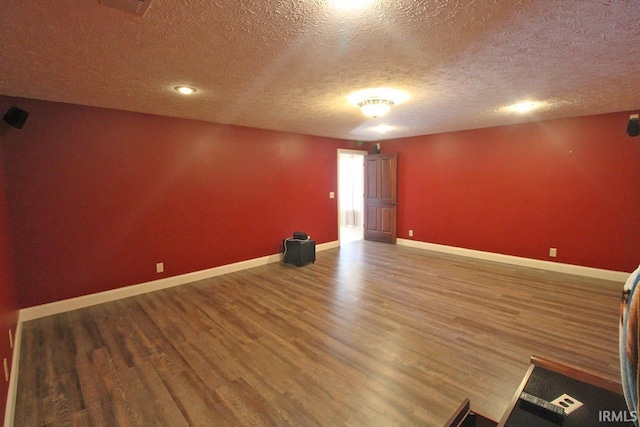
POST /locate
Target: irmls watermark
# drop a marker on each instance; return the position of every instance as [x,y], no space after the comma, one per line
[617,416]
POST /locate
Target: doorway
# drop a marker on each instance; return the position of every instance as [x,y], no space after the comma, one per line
[350,195]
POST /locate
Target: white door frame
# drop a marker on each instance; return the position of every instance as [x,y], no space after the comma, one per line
[346,151]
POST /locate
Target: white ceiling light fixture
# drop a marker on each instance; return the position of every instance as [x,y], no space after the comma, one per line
[377,102]
[375,107]
[185,90]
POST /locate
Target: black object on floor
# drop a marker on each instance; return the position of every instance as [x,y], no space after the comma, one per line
[299,252]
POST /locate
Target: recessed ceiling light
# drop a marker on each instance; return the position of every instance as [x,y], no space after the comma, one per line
[524,106]
[185,90]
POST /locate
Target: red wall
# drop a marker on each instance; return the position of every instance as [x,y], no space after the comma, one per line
[97,197]
[572,184]
[8,291]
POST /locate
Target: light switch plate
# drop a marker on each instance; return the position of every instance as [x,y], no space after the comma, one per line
[568,403]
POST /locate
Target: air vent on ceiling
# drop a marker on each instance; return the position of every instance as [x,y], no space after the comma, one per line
[137,7]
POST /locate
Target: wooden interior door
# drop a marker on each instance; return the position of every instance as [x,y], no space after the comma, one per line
[381,197]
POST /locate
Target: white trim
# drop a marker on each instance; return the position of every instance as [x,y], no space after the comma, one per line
[362,153]
[347,151]
[616,276]
[12,391]
[57,307]
[326,246]
[62,306]
[36,312]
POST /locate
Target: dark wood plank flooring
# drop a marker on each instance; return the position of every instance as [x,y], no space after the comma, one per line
[371,334]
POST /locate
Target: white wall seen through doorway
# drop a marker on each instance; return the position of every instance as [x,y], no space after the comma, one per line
[350,195]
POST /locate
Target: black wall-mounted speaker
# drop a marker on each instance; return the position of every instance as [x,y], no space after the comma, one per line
[16,117]
[633,127]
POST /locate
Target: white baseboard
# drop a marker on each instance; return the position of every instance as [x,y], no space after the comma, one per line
[36,312]
[56,307]
[329,245]
[616,276]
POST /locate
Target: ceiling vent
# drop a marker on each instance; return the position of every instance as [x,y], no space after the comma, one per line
[136,7]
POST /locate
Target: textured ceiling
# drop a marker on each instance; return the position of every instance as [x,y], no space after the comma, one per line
[290,64]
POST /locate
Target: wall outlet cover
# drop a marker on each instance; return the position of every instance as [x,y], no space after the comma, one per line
[568,403]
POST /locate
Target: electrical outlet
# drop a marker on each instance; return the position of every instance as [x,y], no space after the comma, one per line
[568,403]
[160,267]
[332,195]
[10,338]
[6,370]
[410,233]
[553,252]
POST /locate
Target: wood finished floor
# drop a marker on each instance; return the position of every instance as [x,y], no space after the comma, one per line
[369,335]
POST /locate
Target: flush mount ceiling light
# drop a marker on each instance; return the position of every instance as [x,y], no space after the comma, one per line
[185,90]
[375,107]
[377,102]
